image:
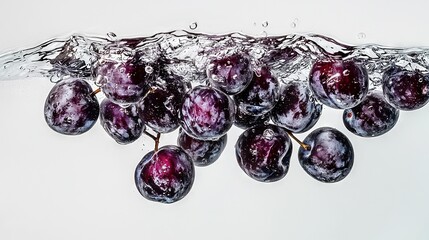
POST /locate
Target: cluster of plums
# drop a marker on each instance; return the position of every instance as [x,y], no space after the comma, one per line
[140,96]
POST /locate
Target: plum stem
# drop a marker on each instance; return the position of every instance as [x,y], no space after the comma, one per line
[95,91]
[303,145]
[155,138]
[158,136]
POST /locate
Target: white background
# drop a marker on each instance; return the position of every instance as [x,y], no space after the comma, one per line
[59,187]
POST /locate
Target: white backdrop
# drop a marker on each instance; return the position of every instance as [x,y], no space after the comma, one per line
[58,187]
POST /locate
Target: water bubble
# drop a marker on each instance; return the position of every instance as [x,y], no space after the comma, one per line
[265,24]
[293,25]
[264,34]
[361,35]
[193,25]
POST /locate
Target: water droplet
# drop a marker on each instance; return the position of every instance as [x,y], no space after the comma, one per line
[265,24]
[268,134]
[193,25]
[361,35]
[111,35]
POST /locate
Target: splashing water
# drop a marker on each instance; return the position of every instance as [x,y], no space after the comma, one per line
[187,54]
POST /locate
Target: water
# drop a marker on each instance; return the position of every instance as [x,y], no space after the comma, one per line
[187,54]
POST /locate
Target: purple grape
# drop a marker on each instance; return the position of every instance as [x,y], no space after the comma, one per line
[70,108]
[202,152]
[330,157]
[245,121]
[260,96]
[231,74]
[404,89]
[165,176]
[372,117]
[263,152]
[160,107]
[206,113]
[123,82]
[296,110]
[339,83]
[122,123]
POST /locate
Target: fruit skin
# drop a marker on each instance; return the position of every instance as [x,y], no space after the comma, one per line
[330,157]
[70,108]
[339,83]
[122,123]
[260,96]
[122,82]
[202,152]
[296,110]
[245,121]
[263,152]
[206,113]
[405,90]
[160,107]
[165,176]
[372,117]
[230,74]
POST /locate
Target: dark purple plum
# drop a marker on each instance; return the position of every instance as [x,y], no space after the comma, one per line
[245,121]
[372,117]
[405,90]
[202,152]
[260,96]
[122,82]
[70,108]
[206,113]
[122,123]
[339,83]
[330,156]
[166,175]
[160,107]
[296,110]
[263,152]
[230,73]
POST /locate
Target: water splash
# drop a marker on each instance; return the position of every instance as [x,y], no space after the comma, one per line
[187,54]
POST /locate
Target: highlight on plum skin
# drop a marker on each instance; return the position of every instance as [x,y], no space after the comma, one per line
[260,96]
[404,89]
[338,83]
[296,110]
[70,107]
[244,120]
[231,73]
[263,152]
[166,175]
[122,123]
[206,113]
[330,155]
[372,117]
[202,152]
[122,82]
[159,108]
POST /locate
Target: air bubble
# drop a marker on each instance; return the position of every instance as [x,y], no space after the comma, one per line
[265,24]
[193,26]
[111,35]
[293,25]
[361,35]
[268,134]
[346,72]
[148,69]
